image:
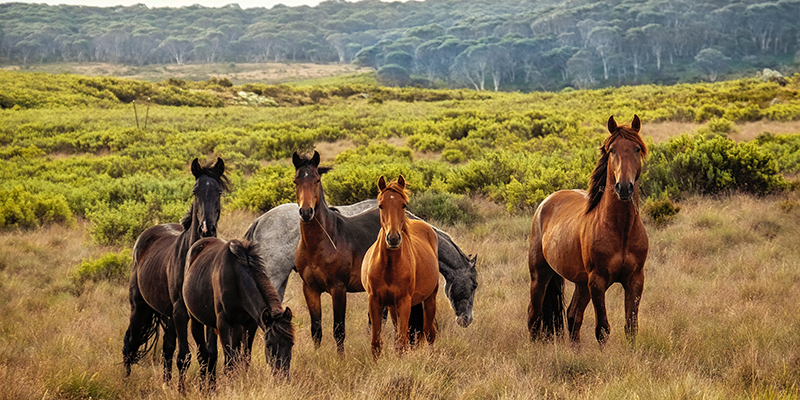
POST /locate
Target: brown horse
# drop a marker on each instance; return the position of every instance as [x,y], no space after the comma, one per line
[401,268]
[593,239]
[227,290]
[157,277]
[331,248]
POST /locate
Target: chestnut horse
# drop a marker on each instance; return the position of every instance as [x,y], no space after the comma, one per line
[157,277]
[226,288]
[593,239]
[401,268]
[330,250]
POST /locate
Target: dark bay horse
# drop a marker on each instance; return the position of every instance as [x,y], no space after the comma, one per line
[593,239]
[157,276]
[331,248]
[278,233]
[227,290]
[400,269]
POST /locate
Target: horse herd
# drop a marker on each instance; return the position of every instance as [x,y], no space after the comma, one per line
[184,277]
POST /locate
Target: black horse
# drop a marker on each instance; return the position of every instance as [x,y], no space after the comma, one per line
[227,291]
[159,257]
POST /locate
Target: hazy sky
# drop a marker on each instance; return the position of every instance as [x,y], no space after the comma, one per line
[173,3]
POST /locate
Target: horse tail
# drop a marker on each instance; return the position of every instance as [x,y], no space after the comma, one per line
[553,307]
[142,333]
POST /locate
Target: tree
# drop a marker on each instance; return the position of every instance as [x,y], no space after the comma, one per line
[604,39]
[712,62]
[400,58]
[367,57]
[655,35]
[393,74]
[178,48]
[339,42]
[472,64]
[580,66]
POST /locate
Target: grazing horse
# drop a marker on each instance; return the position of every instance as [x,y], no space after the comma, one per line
[400,269]
[278,234]
[157,277]
[227,290]
[331,247]
[593,239]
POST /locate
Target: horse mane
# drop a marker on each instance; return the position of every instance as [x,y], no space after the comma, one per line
[210,172]
[248,256]
[597,179]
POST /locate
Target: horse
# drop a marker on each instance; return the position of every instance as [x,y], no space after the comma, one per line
[157,274]
[226,289]
[593,239]
[331,248]
[400,269]
[278,234]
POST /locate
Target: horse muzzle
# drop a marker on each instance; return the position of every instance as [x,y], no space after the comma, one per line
[207,231]
[624,191]
[307,214]
[464,320]
[393,241]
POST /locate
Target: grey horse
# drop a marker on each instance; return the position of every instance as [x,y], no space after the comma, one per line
[278,232]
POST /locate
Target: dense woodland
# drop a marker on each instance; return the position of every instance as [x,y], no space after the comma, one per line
[501,45]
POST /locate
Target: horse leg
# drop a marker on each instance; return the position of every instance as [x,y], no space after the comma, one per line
[143,321]
[315,311]
[633,295]
[540,277]
[168,348]
[198,333]
[339,300]
[250,335]
[211,349]
[180,317]
[416,322]
[226,337]
[598,286]
[575,311]
[375,311]
[403,310]
[429,307]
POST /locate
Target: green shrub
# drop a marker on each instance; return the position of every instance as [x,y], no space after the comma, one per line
[443,207]
[269,187]
[454,156]
[112,267]
[426,142]
[661,211]
[699,165]
[22,209]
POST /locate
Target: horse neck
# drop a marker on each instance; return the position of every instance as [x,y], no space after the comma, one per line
[622,215]
[322,227]
[187,238]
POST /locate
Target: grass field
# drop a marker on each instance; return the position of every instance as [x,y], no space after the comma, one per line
[718,321]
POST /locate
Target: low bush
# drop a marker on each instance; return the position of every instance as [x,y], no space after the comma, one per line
[112,267]
[443,207]
[661,211]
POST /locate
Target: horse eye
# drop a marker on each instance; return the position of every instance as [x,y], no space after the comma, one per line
[638,150]
[380,207]
[404,206]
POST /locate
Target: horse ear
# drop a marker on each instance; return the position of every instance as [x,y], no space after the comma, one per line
[474,260]
[266,316]
[401,181]
[219,167]
[296,160]
[612,124]
[287,314]
[636,124]
[196,168]
[315,159]
[381,183]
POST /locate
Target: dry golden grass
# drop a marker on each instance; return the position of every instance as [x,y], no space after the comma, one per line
[718,321]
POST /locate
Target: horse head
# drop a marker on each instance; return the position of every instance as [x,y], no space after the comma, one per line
[308,186]
[461,292]
[392,202]
[278,339]
[210,182]
[625,150]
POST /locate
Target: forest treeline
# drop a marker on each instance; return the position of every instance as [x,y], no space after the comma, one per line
[500,45]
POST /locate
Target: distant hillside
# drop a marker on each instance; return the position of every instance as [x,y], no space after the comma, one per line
[494,45]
